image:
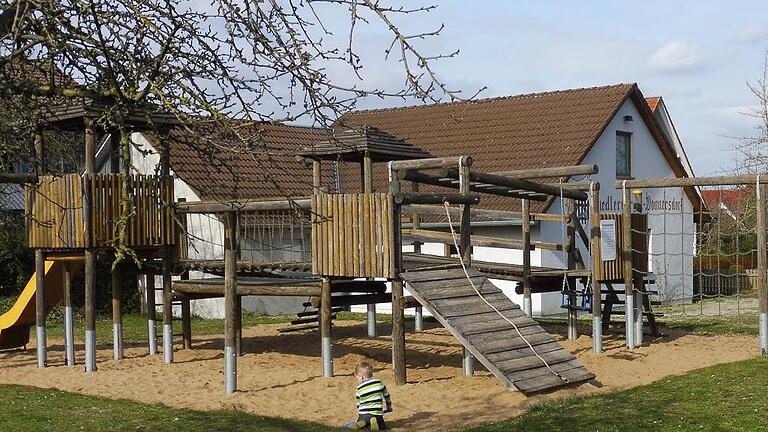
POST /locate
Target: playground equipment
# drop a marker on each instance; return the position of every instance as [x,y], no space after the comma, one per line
[354,245]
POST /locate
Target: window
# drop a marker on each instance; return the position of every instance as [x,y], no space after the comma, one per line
[623,155]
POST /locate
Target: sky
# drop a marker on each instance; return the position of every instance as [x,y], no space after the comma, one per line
[697,55]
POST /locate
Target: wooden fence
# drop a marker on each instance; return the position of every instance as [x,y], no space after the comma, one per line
[55,212]
[352,235]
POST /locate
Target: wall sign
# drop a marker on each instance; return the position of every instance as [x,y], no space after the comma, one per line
[608,239]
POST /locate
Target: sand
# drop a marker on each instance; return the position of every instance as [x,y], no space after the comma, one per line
[280,374]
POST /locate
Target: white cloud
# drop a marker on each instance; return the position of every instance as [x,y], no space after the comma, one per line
[677,58]
[750,34]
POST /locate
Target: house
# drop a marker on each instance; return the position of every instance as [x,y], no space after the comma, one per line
[611,126]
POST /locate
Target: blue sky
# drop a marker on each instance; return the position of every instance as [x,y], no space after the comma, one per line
[698,55]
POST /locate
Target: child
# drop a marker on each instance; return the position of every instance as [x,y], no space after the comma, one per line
[372,400]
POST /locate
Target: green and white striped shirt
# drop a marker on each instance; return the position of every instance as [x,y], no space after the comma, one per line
[372,397]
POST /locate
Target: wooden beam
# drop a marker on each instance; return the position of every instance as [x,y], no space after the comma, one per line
[507,243]
[350,300]
[564,171]
[242,205]
[527,185]
[692,182]
[230,303]
[418,177]
[431,163]
[486,214]
[406,198]
[217,286]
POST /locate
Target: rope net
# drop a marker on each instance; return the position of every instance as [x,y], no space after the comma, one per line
[702,262]
[264,237]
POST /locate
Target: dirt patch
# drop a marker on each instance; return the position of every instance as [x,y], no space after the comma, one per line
[280,374]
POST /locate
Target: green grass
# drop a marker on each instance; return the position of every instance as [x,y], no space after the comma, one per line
[30,409]
[728,397]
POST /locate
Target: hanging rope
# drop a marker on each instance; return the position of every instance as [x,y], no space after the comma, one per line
[477,291]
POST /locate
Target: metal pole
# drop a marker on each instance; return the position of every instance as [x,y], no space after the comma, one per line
[527,304]
[326,341]
[762,268]
[230,303]
[117,319]
[40,308]
[167,310]
[629,295]
[465,249]
[597,318]
[151,313]
[69,331]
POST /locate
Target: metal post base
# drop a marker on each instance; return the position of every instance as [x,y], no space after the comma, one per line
[230,369]
[372,320]
[528,307]
[327,358]
[629,306]
[597,334]
[469,363]
[152,331]
[42,352]
[69,336]
[167,344]
[117,341]
[638,318]
[90,351]
[763,325]
[418,319]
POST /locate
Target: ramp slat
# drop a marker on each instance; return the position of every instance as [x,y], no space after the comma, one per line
[502,349]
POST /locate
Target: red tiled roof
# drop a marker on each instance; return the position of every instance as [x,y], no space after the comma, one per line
[265,167]
[501,134]
[653,102]
[734,200]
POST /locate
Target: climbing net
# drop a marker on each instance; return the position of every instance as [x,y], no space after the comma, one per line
[280,237]
[702,260]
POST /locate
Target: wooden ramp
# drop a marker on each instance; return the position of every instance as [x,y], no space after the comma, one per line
[502,349]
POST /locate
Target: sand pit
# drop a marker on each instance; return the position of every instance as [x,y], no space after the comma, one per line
[280,374]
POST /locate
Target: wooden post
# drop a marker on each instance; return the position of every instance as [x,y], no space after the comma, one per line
[165,172]
[69,334]
[626,237]
[114,154]
[326,337]
[186,305]
[418,318]
[42,342]
[367,180]
[573,333]
[762,268]
[230,303]
[637,207]
[526,227]
[90,251]
[151,313]
[597,324]
[117,317]
[465,248]
[41,159]
[398,318]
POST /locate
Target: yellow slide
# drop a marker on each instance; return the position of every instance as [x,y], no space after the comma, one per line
[15,324]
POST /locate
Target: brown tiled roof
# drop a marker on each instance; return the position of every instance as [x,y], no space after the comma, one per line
[501,134]
[653,102]
[508,133]
[266,166]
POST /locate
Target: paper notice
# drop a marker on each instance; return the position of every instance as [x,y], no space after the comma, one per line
[608,239]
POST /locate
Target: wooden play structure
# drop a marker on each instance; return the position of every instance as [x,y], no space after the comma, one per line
[337,249]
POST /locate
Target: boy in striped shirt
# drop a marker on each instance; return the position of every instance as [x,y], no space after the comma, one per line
[372,400]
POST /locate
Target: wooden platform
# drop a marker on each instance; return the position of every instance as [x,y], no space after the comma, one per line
[501,348]
[245,267]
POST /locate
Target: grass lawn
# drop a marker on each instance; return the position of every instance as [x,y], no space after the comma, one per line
[30,409]
[727,397]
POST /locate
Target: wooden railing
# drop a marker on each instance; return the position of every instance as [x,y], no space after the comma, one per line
[55,211]
[352,235]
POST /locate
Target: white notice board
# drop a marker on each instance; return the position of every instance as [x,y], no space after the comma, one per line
[608,239]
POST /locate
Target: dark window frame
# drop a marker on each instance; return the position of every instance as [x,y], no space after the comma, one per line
[628,163]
